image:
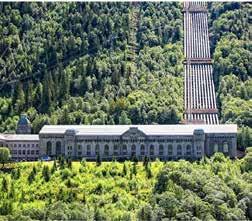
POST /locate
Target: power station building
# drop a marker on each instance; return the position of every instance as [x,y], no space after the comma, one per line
[166,142]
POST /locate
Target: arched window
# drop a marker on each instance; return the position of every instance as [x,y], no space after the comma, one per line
[115,150]
[188,149]
[58,148]
[106,150]
[151,149]
[97,149]
[161,149]
[142,148]
[170,149]
[179,150]
[216,147]
[49,148]
[225,147]
[124,149]
[88,149]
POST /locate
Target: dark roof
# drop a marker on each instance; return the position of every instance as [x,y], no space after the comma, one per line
[23,120]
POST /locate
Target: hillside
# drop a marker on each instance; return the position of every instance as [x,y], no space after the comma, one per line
[215,188]
[116,63]
[108,61]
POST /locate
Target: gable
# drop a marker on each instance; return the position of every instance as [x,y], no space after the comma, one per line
[133,133]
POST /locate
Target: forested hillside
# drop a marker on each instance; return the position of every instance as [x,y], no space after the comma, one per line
[115,63]
[230,31]
[212,189]
[91,63]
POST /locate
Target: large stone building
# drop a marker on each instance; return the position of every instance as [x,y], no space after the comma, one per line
[166,142]
[124,141]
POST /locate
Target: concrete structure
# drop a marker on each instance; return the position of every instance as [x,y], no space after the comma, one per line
[166,142]
[199,92]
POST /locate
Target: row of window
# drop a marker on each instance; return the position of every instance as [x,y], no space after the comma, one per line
[25,152]
[133,147]
[136,140]
[22,145]
[217,148]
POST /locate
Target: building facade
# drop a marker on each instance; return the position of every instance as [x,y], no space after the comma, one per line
[166,142]
[23,147]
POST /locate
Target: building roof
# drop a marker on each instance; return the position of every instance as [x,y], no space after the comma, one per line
[23,120]
[20,137]
[2,137]
[177,129]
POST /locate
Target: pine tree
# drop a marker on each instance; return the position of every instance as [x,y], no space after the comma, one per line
[4,185]
[54,167]
[134,168]
[123,119]
[19,101]
[124,169]
[64,86]
[46,173]
[46,96]
[29,97]
[98,160]
[37,96]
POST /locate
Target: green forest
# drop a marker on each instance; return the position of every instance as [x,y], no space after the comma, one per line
[215,188]
[116,63]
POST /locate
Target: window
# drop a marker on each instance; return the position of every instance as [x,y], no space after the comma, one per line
[23,152]
[32,152]
[151,149]
[33,145]
[124,149]
[142,150]
[88,150]
[179,150]
[19,152]
[161,150]
[225,147]
[58,148]
[188,150]
[115,150]
[79,153]
[28,145]
[28,152]
[37,152]
[106,150]
[49,148]
[97,149]
[170,149]
[24,145]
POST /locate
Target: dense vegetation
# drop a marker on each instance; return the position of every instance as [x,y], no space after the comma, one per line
[230,31]
[92,63]
[215,188]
